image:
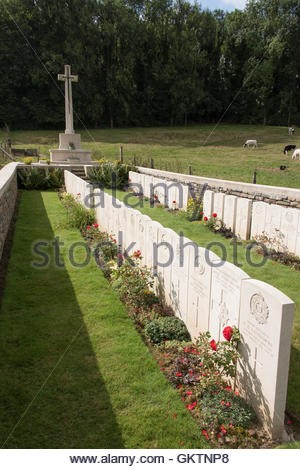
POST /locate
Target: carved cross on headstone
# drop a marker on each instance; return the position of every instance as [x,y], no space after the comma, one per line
[68,78]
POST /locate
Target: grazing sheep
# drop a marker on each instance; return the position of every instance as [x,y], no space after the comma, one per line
[250,143]
[296,154]
[291,131]
[288,148]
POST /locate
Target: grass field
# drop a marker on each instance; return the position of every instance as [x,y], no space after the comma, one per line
[211,152]
[74,371]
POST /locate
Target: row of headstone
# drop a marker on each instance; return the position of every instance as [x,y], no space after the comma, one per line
[247,219]
[209,294]
[80,189]
[168,193]
[234,211]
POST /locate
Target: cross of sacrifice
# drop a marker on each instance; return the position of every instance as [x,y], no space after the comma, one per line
[68,78]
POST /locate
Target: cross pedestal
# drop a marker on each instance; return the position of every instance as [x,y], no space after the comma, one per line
[69,150]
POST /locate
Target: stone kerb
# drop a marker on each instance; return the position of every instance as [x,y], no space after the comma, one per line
[166,192]
[266,320]
[8,197]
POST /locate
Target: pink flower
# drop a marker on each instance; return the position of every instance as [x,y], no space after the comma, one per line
[227,332]
[213,344]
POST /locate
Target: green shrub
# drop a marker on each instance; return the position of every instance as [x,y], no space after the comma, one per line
[35,178]
[166,328]
[28,160]
[78,216]
[226,407]
[110,174]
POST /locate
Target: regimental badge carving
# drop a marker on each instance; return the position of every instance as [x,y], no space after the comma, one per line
[259,308]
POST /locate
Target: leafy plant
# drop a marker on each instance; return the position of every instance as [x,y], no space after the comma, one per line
[194,209]
[40,178]
[223,406]
[166,328]
[110,175]
[28,160]
[78,216]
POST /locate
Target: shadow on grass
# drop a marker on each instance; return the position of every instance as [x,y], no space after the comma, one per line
[52,394]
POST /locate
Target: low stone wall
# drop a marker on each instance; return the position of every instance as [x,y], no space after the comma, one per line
[8,197]
[283,196]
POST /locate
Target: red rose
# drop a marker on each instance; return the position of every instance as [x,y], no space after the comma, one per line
[178,374]
[227,332]
[174,202]
[213,344]
[214,215]
[88,227]
[95,225]
[191,406]
[205,219]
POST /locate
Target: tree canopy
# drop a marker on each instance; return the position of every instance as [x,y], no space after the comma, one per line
[158,62]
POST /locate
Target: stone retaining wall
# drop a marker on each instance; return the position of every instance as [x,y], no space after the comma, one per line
[8,197]
[283,196]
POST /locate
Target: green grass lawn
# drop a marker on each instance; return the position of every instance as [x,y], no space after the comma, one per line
[278,275]
[212,152]
[74,371]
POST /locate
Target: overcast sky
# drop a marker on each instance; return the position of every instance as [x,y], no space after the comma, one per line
[228,5]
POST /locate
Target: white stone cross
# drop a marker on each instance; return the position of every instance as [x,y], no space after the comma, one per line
[68,78]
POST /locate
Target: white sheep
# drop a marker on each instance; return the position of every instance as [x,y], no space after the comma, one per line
[250,143]
[296,154]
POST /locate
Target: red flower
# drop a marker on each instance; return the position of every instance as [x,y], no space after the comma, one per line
[223,429]
[213,344]
[174,202]
[191,406]
[204,433]
[205,219]
[189,393]
[228,404]
[227,332]
[88,227]
[178,374]
[95,225]
[137,254]
[289,422]
[214,215]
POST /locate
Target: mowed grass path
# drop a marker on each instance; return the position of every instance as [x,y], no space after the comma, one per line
[212,151]
[74,371]
[282,277]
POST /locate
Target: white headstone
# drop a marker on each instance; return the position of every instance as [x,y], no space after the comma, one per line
[208,201]
[289,227]
[165,257]
[243,218]
[201,263]
[225,298]
[258,222]
[266,319]
[218,207]
[229,215]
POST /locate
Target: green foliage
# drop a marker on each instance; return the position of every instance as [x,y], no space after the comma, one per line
[222,406]
[110,175]
[78,216]
[213,55]
[134,284]
[195,209]
[40,178]
[166,328]
[28,160]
